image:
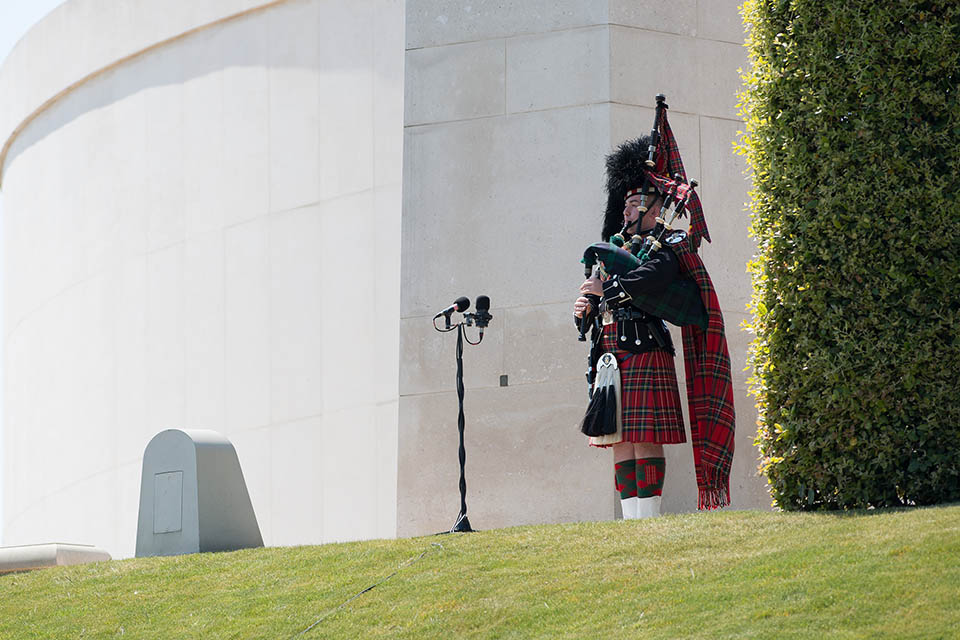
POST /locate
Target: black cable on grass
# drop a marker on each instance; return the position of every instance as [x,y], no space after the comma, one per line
[370,588]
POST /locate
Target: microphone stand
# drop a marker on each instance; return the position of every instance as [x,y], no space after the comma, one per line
[462,525]
[481,318]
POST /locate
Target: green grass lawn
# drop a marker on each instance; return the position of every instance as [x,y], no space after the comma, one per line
[735,574]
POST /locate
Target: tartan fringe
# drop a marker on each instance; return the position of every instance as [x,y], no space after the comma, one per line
[713,498]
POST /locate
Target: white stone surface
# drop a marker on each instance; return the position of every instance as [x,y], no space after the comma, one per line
[347,145]
[164,194]
[697,75]
[295,341]
[347,334]
[296,499]
[386,294]
[540,348]
[725,188]
[388,91]
[439,22]
[204,342]
[504,205]
[455,82]
[130,346]
[352,428]
[719,77]
[38,556]
[247,325]
[676,16]
[435,355]
[181,252]
[674,70]
[57,55]
[721,20]
[386,462]
[294,82]
[503,183]
[246,151]
[558,69]
[165,350]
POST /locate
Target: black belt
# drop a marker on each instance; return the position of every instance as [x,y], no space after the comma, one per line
[638,331]
[626,313]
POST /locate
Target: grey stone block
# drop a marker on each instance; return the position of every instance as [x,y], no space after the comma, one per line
[432,23]
[558,69]
[56,554]
[193,497]
[455,82]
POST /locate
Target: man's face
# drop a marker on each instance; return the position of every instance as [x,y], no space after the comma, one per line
[631,213]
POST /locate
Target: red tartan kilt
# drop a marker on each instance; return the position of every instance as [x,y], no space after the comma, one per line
[649,395]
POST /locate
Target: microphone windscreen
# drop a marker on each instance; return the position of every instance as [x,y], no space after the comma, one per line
[463,303]
[483,303]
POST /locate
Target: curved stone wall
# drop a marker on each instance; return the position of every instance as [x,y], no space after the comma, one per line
[203,231]
[202,213]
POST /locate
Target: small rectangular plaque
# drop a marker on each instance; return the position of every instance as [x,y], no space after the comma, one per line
[168,502]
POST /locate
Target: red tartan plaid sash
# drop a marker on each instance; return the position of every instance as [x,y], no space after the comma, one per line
[706,363]
[706,359]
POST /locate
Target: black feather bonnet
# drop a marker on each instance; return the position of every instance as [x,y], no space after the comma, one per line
[625,171]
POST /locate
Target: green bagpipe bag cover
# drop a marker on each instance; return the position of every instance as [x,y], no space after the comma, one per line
[680,304]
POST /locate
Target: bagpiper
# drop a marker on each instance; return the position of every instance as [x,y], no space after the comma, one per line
[635,400]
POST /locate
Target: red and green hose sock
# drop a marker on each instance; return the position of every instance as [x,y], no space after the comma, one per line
[641,478]
[649,473]
[625,478]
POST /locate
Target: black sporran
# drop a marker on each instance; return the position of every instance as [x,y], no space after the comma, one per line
[602,419]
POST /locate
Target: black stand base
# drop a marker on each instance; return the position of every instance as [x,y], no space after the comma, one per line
[462,526]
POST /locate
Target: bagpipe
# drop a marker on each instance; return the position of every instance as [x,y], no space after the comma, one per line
[680,304]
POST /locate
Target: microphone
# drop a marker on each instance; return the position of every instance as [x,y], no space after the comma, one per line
[461,304]
[483,316]
[483,311]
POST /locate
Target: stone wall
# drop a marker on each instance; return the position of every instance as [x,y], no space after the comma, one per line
[509,111]
[201,232]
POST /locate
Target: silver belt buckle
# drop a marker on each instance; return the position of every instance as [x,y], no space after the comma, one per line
[607,318]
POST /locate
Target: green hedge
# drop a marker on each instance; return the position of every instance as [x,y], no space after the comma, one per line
[853,139]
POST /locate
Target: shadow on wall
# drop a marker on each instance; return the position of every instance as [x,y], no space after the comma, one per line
[251,40]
